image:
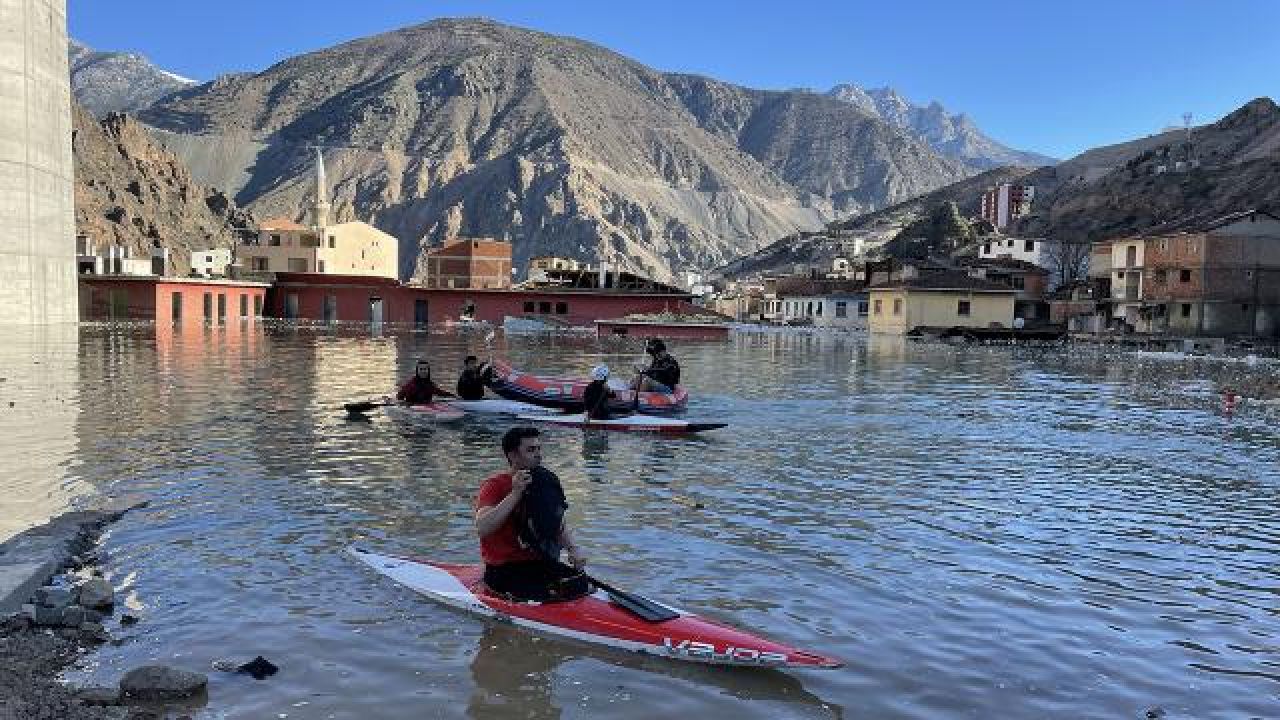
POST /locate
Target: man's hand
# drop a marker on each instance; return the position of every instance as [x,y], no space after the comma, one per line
[520,480]
[577,559]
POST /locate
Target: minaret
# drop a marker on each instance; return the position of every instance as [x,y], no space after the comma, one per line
[320,209]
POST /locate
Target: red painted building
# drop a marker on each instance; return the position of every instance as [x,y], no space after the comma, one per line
[168,299]
[341,298]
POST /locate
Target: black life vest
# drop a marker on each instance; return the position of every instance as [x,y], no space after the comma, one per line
[540,514]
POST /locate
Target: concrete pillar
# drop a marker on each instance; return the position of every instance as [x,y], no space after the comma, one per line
[37,255]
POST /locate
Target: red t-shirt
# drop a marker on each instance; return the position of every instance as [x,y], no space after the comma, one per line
[501,546]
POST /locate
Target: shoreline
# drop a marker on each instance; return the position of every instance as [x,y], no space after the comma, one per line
[54,601]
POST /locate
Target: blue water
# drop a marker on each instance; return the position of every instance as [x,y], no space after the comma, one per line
[977,532]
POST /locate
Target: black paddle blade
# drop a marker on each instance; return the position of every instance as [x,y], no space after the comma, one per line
[641,607]
[359,408]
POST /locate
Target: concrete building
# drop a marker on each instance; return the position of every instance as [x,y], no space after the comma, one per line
[470,263]
[210,263]
[170,300]
[113,259]
[38,254]
[351,248]
[823,303]
[1006,202]
[1219,280]
[939,299]
[1029,281]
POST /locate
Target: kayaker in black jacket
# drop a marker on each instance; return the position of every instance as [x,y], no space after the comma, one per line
[474,378]
[663,373]
[596,396]
[421,389]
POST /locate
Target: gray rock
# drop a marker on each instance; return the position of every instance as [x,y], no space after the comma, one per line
[46,616]
[97,594]
[73,616]
[94,632]
[52,597]
[161,683]
[99,696]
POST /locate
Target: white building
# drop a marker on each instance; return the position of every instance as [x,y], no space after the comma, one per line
[823,303]
[1005,202]
[117,260]
[210,263]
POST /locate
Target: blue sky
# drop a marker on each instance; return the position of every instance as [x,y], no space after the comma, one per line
[1053,77]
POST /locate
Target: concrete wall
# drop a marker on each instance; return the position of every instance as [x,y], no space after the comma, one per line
[37,253]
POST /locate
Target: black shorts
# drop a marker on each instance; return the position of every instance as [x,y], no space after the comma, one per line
[537,581]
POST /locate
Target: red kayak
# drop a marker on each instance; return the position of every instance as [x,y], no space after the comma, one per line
[595,618]
[566,393]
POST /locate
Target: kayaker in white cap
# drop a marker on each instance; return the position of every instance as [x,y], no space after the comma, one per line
[596,396]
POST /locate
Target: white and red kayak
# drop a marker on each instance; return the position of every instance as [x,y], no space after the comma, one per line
[594,618]
[436,412]
[629,423]
[500,406]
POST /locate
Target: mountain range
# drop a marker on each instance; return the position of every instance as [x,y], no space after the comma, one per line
[105,82]
[470,127]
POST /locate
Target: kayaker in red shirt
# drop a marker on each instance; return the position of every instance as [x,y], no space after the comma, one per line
[421,389]
[511,566]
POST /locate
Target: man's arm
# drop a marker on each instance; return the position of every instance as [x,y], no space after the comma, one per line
[576,558]
[491,517]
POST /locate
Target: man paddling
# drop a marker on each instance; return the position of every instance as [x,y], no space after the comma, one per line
[421,389]
[474,378]
[663,373]
[512,564]
[597,394]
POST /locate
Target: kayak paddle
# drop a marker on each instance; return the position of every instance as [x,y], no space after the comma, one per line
[637,605]
[360,408]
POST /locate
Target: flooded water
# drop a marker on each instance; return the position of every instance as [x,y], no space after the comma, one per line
[983,532]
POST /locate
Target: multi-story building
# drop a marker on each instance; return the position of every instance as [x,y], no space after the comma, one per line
[210,263]
[939,298]
[1006,202]
[823,303]
[1028,280]
[1220,279]
[469,263]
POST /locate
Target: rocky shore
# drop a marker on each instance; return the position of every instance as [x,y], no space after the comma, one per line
[55,606]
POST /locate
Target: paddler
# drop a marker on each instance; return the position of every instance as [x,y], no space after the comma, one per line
[421,389]
[474,378]
[597,394]
[663,373]
[527,496]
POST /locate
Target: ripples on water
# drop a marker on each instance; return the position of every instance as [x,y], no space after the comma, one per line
[983,532]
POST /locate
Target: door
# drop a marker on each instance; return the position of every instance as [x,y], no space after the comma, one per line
[291,306]
[375,311]
[118,304]
[420,315]
[330,309]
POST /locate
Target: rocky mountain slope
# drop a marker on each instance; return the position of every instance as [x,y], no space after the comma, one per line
[130,191]
[1231,165]
[873,229]
[954,136]
[105,82]
[471,127]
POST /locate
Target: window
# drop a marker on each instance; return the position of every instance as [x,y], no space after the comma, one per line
[562,308]
[297,264]
[862,308]
[330,309]
[208,307]
[528,306]
[544,307]
[175,311]
[333,241]
[986,248]
[257,306]
[1184,276]
[1131,256]
[809,309]
[897,306]
[819,308]
[222,307]
[1009,243]
[1161,276]
[259,264]
[962,308]
[842,309]
[319,266]
[309,241]
[1120,275]
[1186,310]
[1019,282]
[208,259]
[1029,246]
[274,241]
[244,305]
[877,307]
[1244,308]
